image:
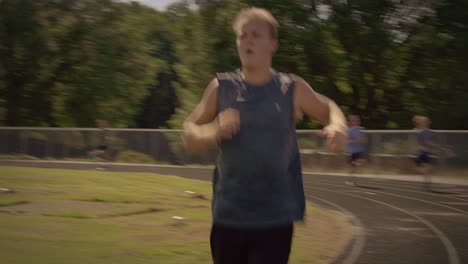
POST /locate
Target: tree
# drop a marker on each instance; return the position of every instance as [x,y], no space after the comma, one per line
[160,104]
[67,63]
[193,61]
[22,52]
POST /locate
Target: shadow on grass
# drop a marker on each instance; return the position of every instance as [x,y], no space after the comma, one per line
[80,215]
[13,203]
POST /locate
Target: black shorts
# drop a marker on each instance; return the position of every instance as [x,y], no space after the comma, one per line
[423,158]
[356,156]
[231,245]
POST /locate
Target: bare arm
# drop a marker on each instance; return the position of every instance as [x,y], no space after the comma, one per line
[364,140]
[205,127]
[317,106]
[200,127]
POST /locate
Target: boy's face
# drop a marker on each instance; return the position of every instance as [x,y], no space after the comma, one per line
[426,122]
[354,121]
[417,121]
[255,44]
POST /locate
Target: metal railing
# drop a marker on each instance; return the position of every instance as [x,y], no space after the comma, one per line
[389,151]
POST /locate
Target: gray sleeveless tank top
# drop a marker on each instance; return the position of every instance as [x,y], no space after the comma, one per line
[257,180]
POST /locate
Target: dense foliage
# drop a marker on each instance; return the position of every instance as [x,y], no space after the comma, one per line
[68,63]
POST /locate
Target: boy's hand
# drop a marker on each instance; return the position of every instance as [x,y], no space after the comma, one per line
[228,123]
[336,138]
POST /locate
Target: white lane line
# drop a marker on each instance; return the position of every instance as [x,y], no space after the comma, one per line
[453,257]
[359,242]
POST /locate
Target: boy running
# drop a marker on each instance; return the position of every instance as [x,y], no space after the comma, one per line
[251,114]
[356,144]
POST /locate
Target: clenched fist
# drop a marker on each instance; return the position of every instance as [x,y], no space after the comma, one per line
[336,138]
[228,124]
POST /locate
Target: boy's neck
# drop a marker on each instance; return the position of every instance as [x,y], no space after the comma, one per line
[256,76]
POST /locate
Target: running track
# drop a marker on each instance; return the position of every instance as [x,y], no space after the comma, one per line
[396,221]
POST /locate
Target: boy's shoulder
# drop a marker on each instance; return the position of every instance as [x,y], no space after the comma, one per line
[427,131]
[282,80]
[233,75]
[288,77]
[236,75]
[356,129]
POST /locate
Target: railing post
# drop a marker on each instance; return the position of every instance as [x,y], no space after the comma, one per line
[376,149]
[47,151]
[441,155]
[23,144]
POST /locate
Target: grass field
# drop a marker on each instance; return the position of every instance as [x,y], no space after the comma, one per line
[66,216]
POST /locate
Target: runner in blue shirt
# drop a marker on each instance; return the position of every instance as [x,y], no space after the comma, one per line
[424,145]
[356,148]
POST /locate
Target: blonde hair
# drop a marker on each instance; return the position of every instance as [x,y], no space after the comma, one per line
[255,13]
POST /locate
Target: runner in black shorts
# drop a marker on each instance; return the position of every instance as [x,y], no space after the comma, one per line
[423,158]
[356,157]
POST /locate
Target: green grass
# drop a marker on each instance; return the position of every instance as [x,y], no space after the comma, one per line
[70,216]
[130,156]
[9,201]
[18,157]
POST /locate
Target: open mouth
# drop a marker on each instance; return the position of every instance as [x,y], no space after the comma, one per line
[249,51]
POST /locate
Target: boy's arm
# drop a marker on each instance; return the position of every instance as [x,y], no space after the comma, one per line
[200,129]
[205,127]
[363,139]
[324,110]
[430,142]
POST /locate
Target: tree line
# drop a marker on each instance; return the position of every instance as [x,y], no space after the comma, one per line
[67,63]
